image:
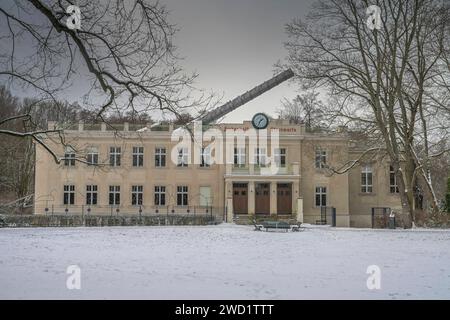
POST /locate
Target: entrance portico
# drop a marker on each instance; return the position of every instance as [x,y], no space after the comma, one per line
[250,194]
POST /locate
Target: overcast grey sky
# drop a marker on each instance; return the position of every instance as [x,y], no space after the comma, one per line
[234,44]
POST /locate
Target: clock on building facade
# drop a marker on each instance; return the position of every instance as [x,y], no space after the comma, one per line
[260,121]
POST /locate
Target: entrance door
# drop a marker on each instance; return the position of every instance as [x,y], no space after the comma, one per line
[284,198]
[262,198]
[240,198]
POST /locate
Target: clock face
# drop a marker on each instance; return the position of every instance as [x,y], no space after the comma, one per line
[260,121]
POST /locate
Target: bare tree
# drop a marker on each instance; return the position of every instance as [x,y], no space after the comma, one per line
[17,154]
[123,52]
[393,80]
[304,108]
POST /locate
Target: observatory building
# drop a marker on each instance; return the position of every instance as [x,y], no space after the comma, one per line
[260,167]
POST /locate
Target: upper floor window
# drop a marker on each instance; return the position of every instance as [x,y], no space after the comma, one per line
[321,197]
[91,195]
[320,158]
[92,156]
[205,157]
[393,186]
[182,195]
[69,157]
[69,194]
[160,157]
[260,157]
[280,157]
[183,157]
[239,157]
[138,156]
[114,156]
[114,195]
[366,179]
[160,195]
[137,193]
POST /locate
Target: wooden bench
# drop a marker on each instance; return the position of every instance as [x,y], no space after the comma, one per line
[277,225]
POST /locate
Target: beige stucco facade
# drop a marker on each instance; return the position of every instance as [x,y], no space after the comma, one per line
[226,189]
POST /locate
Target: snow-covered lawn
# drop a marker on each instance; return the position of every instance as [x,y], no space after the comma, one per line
[223,262]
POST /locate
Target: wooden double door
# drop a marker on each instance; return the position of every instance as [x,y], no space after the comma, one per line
[262,198]
[240,198]
[284,198]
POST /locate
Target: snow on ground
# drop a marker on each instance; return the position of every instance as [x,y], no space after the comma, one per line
[223,262]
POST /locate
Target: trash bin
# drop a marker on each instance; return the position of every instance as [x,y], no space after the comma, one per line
[392,220]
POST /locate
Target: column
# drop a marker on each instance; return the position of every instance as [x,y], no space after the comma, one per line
[229,200]
[300,209]
[273,198]
[229,204]
[251,197]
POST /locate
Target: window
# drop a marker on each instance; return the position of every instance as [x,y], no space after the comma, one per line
[160,157]
[239,157]
[69,194]
[183,157]
[366,179]
[69,157]
[91,195]
[205,157]
[260,157]
[138,156]
[321,158]
[114,195]
[182,196]
[92,156]
[136,195]
[393,186]
[280,157]
[114,156]
[160,196]
[321,196]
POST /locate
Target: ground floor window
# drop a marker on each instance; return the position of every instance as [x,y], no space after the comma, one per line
[69,194]
[160,196]
[182,195]
[91,195]
[137,195]
[393,186]
[321,196]
[114,195]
